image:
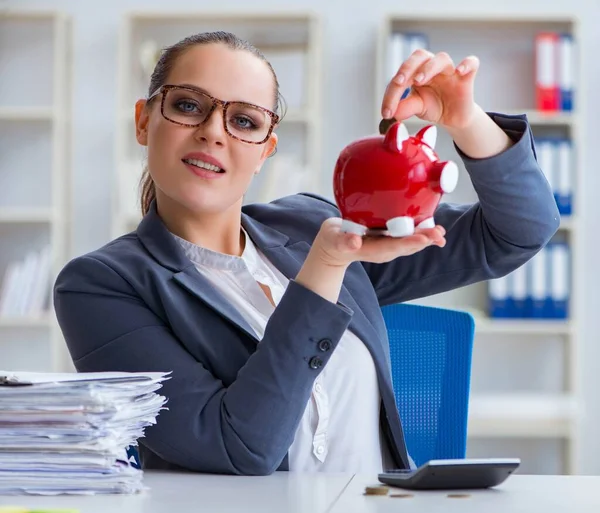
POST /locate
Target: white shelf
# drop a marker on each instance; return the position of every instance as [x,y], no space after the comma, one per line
[26,215]
[291,41]
[456,18]
[568,223]
[535,118]
[521,416]
[34,211]
[518,415]
[185,16]
[43,321]
[539,118]
[26,113]
[523,326]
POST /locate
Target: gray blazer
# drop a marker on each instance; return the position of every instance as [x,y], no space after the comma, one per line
[138,304]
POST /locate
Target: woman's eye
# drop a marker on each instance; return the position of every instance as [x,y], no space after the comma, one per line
[244,122]
[185,106]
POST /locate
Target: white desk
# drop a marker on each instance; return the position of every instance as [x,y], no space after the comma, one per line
[293,493]
[518,494]
[187,492]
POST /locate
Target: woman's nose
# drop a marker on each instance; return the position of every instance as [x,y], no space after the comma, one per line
[212,130]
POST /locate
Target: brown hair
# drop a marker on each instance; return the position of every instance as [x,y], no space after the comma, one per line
[165,63]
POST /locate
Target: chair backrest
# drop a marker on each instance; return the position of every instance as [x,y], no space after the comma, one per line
[431,350]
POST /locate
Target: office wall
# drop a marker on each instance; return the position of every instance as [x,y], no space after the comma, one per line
[350,31]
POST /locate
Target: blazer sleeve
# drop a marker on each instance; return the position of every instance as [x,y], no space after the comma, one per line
[515,217]
[244,428]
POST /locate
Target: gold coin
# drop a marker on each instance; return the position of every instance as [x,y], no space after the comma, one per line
[385,124]
[376,490]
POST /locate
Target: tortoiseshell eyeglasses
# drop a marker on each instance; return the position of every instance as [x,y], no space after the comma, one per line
[187,106]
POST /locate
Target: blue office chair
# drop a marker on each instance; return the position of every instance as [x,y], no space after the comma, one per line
[431,351]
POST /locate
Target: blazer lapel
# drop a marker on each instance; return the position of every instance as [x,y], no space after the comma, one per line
[197,285]
[158,241]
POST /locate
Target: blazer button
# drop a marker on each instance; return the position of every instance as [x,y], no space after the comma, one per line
[325,345]
[315,362]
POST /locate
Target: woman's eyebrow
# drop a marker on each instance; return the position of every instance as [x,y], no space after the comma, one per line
[195,87]
[202,90]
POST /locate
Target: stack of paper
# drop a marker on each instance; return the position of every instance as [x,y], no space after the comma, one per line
[68,433]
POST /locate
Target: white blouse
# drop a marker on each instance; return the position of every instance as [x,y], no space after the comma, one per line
[340,430]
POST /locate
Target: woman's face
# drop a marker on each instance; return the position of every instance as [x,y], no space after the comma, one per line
[178,155]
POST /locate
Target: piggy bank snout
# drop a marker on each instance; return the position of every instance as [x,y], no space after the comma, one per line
[448,177]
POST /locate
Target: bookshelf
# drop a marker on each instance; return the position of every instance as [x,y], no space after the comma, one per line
[290,41]
[34,178]
[525,393]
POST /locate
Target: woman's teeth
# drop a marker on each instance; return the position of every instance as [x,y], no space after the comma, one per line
[203,165]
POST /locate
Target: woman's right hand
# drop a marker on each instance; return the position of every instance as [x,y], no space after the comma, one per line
[333,251]
[337,248]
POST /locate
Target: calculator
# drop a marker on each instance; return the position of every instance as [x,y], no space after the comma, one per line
[452,474]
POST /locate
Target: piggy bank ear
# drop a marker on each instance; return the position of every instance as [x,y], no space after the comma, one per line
[395,136]
[401,135]
[428,135]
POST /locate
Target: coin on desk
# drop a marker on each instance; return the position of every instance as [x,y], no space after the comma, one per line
[376,490]
[458,495]
[402,495]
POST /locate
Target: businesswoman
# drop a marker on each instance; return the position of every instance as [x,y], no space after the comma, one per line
[268,316]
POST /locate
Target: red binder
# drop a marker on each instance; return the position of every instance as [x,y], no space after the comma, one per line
[546,69]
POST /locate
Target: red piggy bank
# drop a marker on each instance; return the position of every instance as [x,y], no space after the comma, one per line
[391,184]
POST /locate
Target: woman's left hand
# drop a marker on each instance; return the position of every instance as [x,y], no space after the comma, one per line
[441,93]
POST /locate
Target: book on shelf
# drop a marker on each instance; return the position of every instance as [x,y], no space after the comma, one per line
[25,286]
[554,69]
[539,289]
[556,159]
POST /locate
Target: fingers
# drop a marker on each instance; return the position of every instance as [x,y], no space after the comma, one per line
[348,242]
[401,80]
[468,66]
[408,69]
[441,64]
[411,106]
[434,233]
[384,249]
[418,70]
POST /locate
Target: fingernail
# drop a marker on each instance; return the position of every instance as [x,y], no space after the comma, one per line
[419,77]
[461,69]
[387,113]
[400,79]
